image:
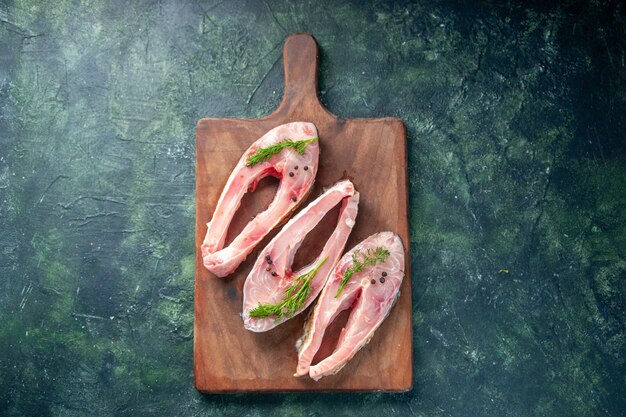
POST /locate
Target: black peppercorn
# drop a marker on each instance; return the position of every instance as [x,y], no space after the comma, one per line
[306,168]
[373,281]
[291,174]
[384,274]
[268,269]
[382,280]
[274,273]
[267,257]
[296,167]
[294,198]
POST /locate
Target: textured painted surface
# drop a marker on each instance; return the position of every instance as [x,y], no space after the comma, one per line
[517,133]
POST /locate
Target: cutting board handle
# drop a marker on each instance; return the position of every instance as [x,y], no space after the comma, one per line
[301,61]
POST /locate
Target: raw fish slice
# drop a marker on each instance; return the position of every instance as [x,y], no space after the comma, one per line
[263,288]
[292,191]
[371,296]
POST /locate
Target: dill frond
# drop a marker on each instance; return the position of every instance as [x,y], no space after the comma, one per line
[371,257]
[264,154]
[295,297]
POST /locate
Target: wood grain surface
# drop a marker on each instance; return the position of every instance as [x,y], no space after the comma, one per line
[370,152]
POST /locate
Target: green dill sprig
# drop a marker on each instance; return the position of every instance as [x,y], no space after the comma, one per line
[371,257]
[295,296]
[264,154]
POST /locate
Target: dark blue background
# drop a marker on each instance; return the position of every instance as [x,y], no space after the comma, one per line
[515,117]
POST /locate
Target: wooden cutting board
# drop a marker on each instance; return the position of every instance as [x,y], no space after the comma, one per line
[370,152]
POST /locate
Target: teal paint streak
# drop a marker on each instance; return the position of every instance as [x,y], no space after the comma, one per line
[516,154]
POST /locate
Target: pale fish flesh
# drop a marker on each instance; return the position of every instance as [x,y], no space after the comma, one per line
[271,275]
[292,191]
[370,293]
